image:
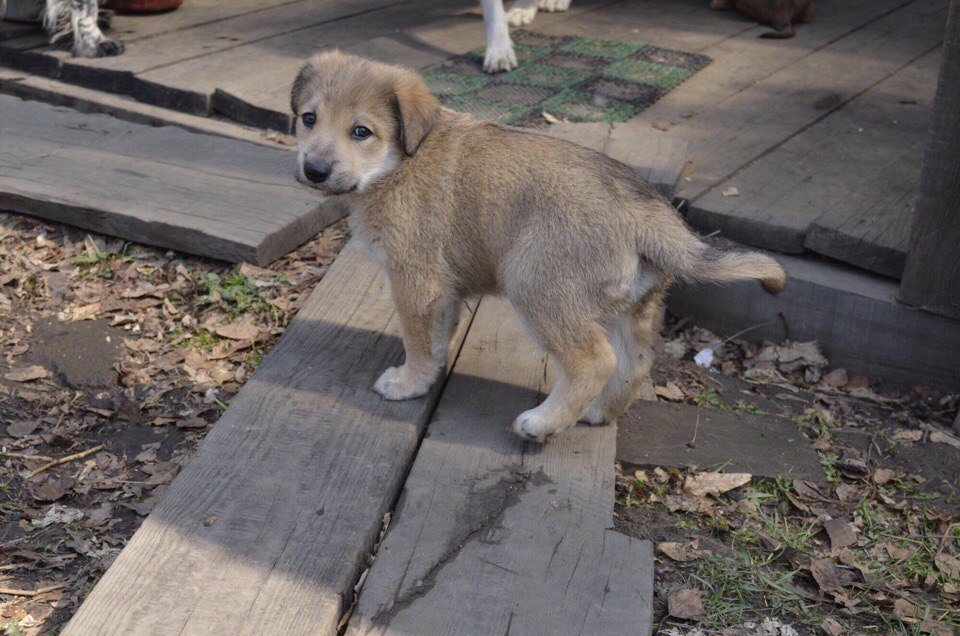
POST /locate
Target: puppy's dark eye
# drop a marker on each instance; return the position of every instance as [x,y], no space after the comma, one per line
[361,132]
[308,119]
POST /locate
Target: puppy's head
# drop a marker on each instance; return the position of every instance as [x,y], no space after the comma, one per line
[356,120]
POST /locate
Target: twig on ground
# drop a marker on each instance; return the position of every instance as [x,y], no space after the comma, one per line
[42,590]
[64,460]
[27,456]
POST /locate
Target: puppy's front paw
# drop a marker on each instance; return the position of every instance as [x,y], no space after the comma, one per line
[500,57]
[397,383]
[553,5]
[521,16]
[535,425]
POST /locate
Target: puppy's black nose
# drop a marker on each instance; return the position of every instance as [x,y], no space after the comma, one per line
[316,171]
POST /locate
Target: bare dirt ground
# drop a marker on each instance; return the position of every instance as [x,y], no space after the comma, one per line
[115,359]
[873,548]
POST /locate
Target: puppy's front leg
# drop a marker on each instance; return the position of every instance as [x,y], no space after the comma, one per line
[426,336]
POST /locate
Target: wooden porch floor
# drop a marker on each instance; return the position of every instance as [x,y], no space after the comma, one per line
[819,135]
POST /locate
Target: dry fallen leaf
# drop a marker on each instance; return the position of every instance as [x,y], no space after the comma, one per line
[944,438]
[831,627]
[936,628]
[22,428]
[842,533]
[551,119]
[825,575]
[731,192]
[669,392]
[906,436]
[883,476]
[682,552]
[904,609]
[243,329]
[686,604]
[26,374]
[949,565]
[701,484]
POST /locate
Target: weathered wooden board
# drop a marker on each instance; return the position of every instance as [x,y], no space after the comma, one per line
[195,193]
[757,120]
[866,221]
[765,445]
[493,535]
[656,156]
[933,266]
[846,184]
[269,526]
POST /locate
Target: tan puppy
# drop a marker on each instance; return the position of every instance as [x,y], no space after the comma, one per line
[454,207]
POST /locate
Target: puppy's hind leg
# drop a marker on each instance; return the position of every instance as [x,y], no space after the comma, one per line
[586,362]
[633,337]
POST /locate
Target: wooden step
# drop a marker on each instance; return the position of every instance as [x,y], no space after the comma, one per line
[202,194]
[493,535]
[268,528]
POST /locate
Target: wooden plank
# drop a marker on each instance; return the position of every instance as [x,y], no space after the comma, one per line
[933,267]
[268,527]
[493,535]
[10,30]
[760,119]
[656,156]
[166,186]
[847,183]
[866,188]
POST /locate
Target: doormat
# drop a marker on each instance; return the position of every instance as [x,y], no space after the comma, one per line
[575,78]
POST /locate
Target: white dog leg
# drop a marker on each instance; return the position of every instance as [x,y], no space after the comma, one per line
[500,55]
[522,12]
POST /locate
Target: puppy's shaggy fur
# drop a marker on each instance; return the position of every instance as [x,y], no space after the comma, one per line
[453,207]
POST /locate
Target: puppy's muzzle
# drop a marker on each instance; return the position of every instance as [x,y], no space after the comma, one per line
[317,171]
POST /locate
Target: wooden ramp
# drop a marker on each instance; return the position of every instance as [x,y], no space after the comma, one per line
[268,528]
[493,535]
[271,524]
[203,194]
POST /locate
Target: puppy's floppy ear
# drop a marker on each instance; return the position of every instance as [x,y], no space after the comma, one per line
[416,109]
[307,72]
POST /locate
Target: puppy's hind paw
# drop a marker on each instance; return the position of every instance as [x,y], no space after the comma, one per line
[499,57]
[395,384]
[521,16]
[595,416]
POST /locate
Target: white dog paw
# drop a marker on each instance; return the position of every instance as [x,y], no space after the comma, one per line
[395,384]
[553,5]
[536,425]
[500,57]
[521,16]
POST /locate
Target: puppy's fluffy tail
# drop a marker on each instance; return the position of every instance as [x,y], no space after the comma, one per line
[671,245]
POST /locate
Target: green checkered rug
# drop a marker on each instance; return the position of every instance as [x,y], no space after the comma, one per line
[577,78]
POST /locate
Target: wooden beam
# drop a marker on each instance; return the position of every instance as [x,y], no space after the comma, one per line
[268,527]
[493,535]
[202,194]
[931,279]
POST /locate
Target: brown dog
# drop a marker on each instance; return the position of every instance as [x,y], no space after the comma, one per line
[779,14]
[454,207]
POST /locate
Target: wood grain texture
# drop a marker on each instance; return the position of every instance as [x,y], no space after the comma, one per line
[728,136]
[933,266]
[655,156]
[268,527]
[196,193]
[493,535]
[844,186]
